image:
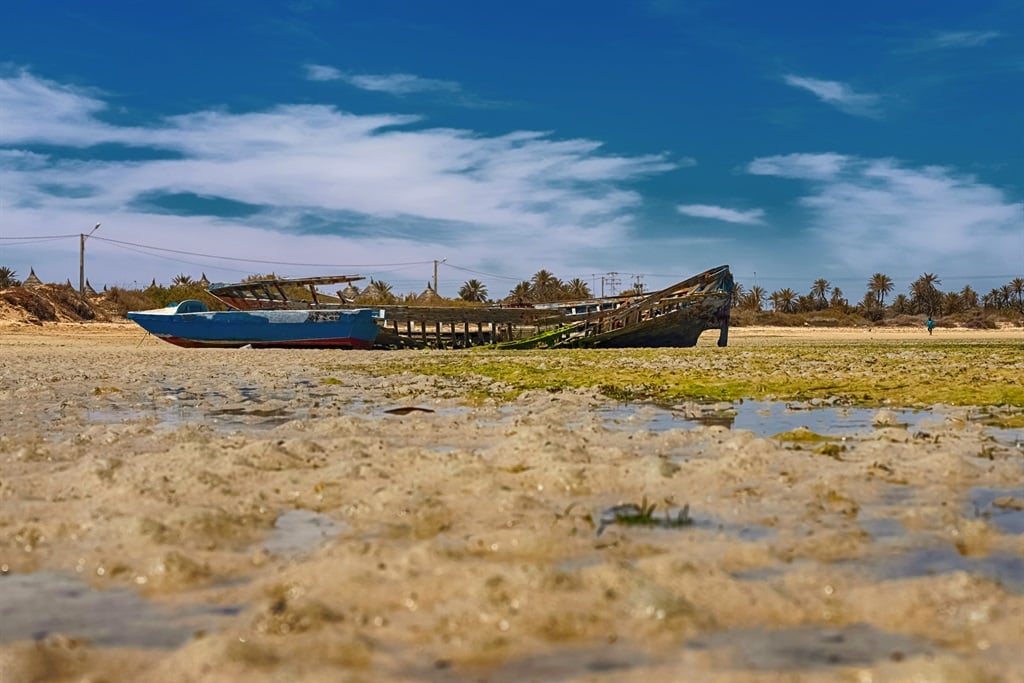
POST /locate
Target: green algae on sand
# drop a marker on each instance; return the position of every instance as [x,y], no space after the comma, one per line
[896,372]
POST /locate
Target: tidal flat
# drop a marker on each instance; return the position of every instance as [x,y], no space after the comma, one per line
[800,506]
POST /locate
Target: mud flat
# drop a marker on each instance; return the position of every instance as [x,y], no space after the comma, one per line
[183,515]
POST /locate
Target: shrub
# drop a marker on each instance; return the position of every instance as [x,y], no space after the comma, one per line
[70,300]
[162,296]
[123,300]
[30,302]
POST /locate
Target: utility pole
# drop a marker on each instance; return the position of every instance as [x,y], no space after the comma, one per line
[613,282]
[81,258]
[435,272]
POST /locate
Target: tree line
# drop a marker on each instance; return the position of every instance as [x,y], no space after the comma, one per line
[923,298]
[543,287]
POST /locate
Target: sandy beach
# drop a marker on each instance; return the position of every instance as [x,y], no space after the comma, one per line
[224,515]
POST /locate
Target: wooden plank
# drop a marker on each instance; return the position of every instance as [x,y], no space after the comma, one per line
[458,314]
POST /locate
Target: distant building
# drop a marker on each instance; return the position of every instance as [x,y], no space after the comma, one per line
[428,296]
[32,280]
[349,294]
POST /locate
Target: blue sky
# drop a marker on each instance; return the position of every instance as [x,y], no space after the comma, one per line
[791,140]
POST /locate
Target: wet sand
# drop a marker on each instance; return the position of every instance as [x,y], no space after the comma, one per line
[179,515]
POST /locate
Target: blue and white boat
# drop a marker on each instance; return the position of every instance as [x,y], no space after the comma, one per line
[191,324]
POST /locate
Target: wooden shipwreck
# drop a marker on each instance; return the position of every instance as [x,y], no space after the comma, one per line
[672,317]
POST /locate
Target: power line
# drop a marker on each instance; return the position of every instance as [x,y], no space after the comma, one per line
[265,262]
[39,237]
[478,272]
[33,240]
[178,260]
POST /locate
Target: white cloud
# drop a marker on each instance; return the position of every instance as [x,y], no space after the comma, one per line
[878,214]
[472,197]
[394,84]
[401,84]
[35,109]
[319,72]
[945,40]
[839,95]
[808,166]
[750,217]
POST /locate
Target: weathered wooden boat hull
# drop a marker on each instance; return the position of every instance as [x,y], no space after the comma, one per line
[189,325]
[674,317]
[678,329]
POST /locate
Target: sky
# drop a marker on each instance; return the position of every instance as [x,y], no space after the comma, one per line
[653,139]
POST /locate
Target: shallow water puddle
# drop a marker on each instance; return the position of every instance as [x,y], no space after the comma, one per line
[246,407]
[299,532]
[178,416]
[1006,568]
[808,647]
[1003,508]
[883,528]
[34,606]
[767,418]
[900,554]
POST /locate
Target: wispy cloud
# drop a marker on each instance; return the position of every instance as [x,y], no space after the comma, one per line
[480,195]
[879,214]
[319,72]
[805,166]
[946,40]
[402,84]
[394,84]
[839,95]
[720,213]
[34,109]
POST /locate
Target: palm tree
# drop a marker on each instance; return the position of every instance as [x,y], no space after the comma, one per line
[838,300]
[577,289]
[181,280]
[473,290]
[805,303]
[951,303]
[819,292]
[546,287]
[969,297]
[738,292]
[1017,284]
[901,304]
[924,296]
[880,285]
[522,292]
[1006,291]
[784,300]
[8,278]
[994,299]
[755,298]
